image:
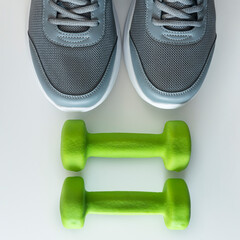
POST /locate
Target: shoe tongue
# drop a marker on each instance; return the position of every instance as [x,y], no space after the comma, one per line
[178,5]
[72,29]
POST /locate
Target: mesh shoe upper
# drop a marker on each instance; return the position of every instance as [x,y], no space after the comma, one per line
[72,70]
[171,67]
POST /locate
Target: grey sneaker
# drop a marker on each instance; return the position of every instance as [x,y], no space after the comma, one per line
[76,50]
[168,47]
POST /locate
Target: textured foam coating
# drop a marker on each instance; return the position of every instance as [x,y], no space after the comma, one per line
[173,146]
[173,203]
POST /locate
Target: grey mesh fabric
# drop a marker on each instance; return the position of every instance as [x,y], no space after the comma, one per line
[72,70]
[171,68]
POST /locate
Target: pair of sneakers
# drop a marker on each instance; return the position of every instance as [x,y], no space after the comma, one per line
[76,49]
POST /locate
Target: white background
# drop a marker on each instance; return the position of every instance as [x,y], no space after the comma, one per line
[31,173]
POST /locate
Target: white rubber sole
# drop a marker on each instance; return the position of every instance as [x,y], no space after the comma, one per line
[116,68]
[129,64]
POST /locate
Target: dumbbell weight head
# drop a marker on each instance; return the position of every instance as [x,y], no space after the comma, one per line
[177,212]
[177,141]
[73,203]
[74,145]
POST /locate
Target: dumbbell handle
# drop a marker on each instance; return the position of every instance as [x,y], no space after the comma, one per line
[125,203]
[125,145]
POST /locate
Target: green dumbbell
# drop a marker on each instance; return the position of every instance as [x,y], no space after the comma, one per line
[173,203]
[173,145]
